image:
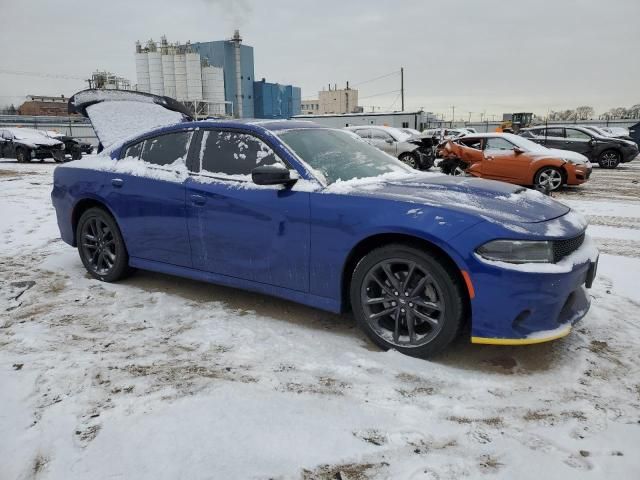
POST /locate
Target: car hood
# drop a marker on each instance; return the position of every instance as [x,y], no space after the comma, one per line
[575,157]
[35,139]
[117,114]
[491,200]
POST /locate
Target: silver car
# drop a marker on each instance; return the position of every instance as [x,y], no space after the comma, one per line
[405,147]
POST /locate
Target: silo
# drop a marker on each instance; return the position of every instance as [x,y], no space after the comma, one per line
[169,75]
[194,77]
[155,73]
[142,72]
[180,64]
[213,89]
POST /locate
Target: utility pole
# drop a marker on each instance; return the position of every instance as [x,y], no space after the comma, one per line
[470,117]
[402,87]
[453,114]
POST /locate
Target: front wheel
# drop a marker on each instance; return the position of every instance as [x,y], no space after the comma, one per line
[101,247]
[404,298]
[609,159]
[548,179]
[409,159]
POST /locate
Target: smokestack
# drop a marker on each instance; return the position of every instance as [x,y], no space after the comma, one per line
[237,40]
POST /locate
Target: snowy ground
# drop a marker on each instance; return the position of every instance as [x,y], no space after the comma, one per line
[163,378]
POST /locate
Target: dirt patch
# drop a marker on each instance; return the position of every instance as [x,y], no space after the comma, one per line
[14,173]
[489,463]
[373,437]
[88,434]
[495,422]
[348,471]
[325,386]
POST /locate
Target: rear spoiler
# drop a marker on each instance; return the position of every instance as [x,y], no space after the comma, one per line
[79,102]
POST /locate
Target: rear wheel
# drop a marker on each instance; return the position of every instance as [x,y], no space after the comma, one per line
[548,178]
[410,159]
[101,247]
[22,155]
[404,298]
[609,159]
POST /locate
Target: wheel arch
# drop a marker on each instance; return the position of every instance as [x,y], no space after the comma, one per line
[366,245]
[82,206]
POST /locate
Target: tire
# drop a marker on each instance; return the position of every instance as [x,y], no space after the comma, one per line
[76,154]
[58,157]
[22,155]
[409,159]
[378,309]
[459,169]
[101,247]
[609,159]
[548,178]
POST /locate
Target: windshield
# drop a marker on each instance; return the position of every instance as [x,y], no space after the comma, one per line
[525,144]
[338,156]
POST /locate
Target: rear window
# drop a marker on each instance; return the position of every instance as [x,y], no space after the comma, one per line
[166,149]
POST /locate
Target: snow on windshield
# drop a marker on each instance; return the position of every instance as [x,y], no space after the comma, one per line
[31,136]
[115,121]
[338,156]
[525,144]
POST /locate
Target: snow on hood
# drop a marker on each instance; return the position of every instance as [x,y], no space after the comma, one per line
[568,155]
[31,137]
[493,201]
[114,121]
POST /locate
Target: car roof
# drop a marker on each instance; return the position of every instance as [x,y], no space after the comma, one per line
[268,124]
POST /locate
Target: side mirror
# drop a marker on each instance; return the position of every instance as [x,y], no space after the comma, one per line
[518,150]
[272,175]
[389,141]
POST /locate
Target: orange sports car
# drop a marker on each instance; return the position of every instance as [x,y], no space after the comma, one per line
[513,159]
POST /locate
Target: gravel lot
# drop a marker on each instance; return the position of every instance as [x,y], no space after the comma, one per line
[158,377]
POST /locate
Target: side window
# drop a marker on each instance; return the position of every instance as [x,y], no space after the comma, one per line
[380,135]
[166,149]
[555,132]
[134,150]
[536,132]
[363,132]
[496,143]
[472,143]
[577,134]
[233,153]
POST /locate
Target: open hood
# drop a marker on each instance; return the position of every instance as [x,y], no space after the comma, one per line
[120,114]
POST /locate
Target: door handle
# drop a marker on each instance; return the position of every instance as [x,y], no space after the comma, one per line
[198,200]
[117,182]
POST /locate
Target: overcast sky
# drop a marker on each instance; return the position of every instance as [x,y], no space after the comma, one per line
[491,56]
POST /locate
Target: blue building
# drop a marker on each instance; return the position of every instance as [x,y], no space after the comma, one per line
[223,53]
[272,100]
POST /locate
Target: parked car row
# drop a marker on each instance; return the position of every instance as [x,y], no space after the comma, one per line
[311,214]
[26,144]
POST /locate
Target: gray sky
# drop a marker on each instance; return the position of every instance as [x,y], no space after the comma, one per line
[490,55]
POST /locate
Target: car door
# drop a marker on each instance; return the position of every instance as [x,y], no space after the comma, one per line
[7,145]
[554,137]
[384,141]
[577,141]
[146,191]
[501,162]
[240,229]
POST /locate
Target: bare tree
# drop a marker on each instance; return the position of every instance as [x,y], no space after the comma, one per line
[584,112]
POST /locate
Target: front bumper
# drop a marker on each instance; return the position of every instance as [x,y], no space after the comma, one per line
[577,174]
[629,153]
[513,307]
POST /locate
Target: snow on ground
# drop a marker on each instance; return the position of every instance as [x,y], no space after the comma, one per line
[162,378]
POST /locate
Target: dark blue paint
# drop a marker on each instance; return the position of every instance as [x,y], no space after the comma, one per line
[294,244]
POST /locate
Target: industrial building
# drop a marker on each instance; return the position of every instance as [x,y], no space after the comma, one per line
[43,105]
[418,120]
[213,78]
[310,107]
[108,81]
[338,101]
[272,100]
[178,71]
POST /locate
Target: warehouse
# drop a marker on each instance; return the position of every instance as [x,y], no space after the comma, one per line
[416,120]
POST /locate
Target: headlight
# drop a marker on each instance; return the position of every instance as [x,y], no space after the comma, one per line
[517,251]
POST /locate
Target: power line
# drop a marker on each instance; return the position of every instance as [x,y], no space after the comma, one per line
[397,72]
[379,94]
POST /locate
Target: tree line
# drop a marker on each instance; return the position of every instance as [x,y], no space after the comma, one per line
[586,112]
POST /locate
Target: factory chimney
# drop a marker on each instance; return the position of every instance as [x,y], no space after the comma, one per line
[237,40]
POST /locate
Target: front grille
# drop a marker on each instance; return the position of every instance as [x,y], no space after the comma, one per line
[562,248]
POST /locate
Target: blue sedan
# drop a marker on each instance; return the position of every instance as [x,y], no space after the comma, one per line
[314,215]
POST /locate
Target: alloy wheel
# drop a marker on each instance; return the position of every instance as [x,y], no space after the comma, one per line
[402,303]
[98,246]
[550,178]
[609,160]
[409,160]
